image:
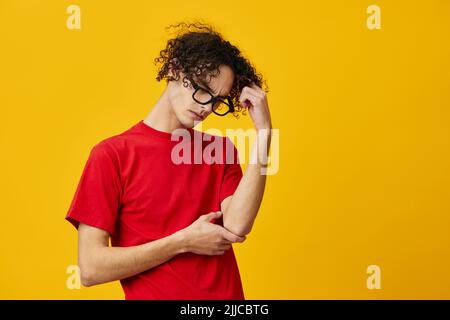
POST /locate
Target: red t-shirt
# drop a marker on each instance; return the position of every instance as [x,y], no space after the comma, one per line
[131,188]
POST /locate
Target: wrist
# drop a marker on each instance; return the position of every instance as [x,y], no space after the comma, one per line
[180,239]
[264,128]
[263,141]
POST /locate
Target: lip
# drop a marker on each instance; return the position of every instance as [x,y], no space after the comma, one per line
[196,115]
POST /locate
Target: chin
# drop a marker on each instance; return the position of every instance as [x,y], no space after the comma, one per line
[187,123]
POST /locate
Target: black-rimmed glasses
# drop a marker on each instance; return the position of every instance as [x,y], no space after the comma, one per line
[220,106]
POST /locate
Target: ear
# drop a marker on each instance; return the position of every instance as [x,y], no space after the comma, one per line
[173,73]
[172,67]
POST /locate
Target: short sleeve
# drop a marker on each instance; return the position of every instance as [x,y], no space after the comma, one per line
[232,172]
[97,198]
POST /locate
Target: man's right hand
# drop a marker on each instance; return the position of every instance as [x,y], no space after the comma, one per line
[204,237]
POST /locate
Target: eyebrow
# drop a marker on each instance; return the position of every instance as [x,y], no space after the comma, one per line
[212,91]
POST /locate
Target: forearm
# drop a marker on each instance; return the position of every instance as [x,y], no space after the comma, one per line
[241,212]
[107,264]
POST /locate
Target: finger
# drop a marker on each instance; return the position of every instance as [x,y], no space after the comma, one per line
[254,91]
[212,215]
[256,87]
[224,247]
[260,90]
[231,236]
[224,243]
[247,96]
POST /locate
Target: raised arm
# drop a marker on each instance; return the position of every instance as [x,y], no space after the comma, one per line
[240,210]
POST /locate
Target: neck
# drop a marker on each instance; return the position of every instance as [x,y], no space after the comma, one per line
[162,117]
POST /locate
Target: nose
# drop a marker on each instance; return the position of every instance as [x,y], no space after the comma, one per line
[205,110]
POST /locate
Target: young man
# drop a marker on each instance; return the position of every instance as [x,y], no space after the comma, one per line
[172,224]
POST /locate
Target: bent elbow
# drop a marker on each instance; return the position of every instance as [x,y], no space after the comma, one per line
[87,278]
[238,229]
[88,274]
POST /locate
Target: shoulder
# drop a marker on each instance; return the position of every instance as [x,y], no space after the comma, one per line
[116,144]
[111,148]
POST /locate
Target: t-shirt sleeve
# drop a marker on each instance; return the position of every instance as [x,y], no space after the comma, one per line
[233,171]
[97,198]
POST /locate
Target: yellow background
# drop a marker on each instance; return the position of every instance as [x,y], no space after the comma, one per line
[364,138]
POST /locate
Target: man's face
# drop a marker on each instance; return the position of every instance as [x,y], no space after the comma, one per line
[186,109]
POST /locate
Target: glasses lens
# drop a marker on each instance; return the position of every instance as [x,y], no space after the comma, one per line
[202,96]
[221,107]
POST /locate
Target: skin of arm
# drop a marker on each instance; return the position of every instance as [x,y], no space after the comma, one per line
[240,210]
[100,263]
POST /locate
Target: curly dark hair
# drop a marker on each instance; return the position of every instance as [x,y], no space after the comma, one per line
[198,50]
